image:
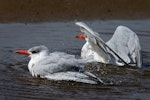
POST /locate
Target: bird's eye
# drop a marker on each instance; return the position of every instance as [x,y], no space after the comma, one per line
[81,28]
[36,51]
[85,35]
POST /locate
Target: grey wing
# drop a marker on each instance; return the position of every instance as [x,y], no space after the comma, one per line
[95,41]
[126,44]
[57,62]
[75,76]
[62,66]
[90,34]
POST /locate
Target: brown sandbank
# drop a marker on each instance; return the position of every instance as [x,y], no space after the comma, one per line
[65,10]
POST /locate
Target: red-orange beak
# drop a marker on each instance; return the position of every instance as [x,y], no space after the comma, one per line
[81,36]
[23,52]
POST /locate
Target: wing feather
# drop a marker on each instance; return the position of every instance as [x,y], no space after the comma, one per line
[126,44]
[97,44]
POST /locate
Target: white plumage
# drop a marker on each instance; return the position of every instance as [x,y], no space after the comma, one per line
[122,49]
[57,66]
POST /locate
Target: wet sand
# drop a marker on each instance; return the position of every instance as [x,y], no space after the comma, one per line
[66,10]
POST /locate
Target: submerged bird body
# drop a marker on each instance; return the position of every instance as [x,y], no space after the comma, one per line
[57,66]
[122,49]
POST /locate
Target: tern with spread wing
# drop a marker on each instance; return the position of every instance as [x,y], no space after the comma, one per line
[122,49]
[57,66]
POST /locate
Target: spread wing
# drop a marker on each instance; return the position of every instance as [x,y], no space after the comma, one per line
[85,77]
[126,44]
[62,66]
[97,44]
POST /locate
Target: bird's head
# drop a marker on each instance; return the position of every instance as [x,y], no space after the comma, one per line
[81,36]
[85,31]
[36,51]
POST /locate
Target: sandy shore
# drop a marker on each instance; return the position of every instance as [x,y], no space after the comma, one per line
[64,10]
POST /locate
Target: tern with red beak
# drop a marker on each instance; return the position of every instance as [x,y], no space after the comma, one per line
[57,66]
[122,49]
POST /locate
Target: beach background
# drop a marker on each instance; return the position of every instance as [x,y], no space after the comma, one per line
[66,10]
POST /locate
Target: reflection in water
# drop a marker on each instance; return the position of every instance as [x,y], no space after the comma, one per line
[17,83]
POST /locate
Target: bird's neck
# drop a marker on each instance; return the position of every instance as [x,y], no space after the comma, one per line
[35,60]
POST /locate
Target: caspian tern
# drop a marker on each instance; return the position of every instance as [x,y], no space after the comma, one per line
[57,66]
[122,49]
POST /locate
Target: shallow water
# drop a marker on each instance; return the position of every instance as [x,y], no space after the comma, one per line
[17,83]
